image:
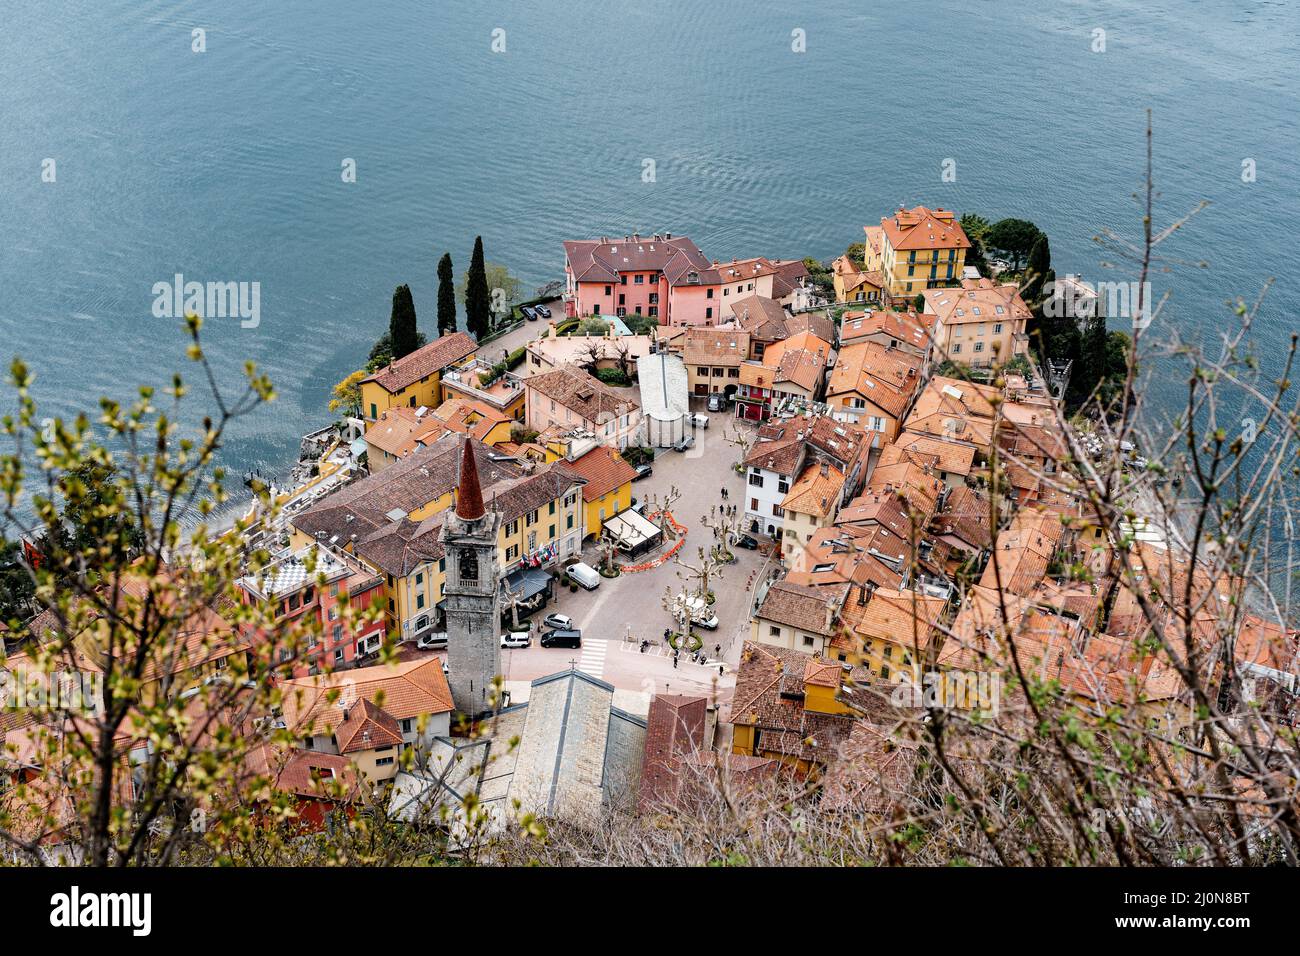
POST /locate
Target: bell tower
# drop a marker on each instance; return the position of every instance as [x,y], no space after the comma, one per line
[469,539]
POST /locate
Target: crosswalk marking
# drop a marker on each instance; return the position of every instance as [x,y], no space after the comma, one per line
[656,650]
[593,657]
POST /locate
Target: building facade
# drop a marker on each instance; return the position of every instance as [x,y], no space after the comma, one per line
[916,249]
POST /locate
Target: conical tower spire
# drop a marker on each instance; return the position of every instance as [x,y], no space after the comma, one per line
[469,496]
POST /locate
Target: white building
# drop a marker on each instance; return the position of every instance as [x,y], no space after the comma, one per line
[665,403]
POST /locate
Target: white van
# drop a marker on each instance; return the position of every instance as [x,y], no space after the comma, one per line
[583,574]
[700,421]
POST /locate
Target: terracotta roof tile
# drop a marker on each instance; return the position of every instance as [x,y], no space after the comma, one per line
[923,228]
[443,351]
[604,470]
[586,395]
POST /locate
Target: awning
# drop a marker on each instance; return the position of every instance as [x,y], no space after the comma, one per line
[631,530]
[528,583]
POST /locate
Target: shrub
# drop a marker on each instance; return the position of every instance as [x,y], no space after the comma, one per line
[612,376]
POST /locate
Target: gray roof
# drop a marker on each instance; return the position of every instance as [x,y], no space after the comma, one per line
[577,753]
[663,386]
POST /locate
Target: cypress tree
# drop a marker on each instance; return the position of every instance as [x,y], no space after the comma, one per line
[478,307]
[446,296]
[1036,271]
[1094,355]
[401,326]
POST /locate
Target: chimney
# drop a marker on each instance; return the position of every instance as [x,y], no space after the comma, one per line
[825,469]
[469,496]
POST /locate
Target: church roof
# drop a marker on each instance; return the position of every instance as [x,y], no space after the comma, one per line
[469,496]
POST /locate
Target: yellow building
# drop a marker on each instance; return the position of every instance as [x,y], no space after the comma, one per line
[609,485]
[853,284]
[391,521]
[791,707]
[893,634]
[415,380]
[475,419]
[916,249]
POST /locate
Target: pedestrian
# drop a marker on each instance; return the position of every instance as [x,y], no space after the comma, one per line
[717,649]
[721,670]
[674,660]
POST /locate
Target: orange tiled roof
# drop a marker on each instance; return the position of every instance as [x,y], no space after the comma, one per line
[978,300]
[884,377]
[604,469]
[706,345]
[816,492]
[399,431]
[801,359]
[469,417]
[409,689]
[443,351]
[908,327]
[923,228]
[907,618]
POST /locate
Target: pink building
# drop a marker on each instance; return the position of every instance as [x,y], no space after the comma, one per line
[296,591]
[668,278]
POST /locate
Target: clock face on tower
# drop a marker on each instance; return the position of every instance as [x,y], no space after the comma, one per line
[468,565]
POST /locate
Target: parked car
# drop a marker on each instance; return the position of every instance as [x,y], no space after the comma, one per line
[715,402]
[643,471]
[431,640]
[709,624]
[562,638]
[746,542]
[700,421]
[516,639]
[543,311]
[583,574]
[686,442]
[561,621]
[529,313]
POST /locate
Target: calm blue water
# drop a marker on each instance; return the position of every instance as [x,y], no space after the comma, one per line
[226,165]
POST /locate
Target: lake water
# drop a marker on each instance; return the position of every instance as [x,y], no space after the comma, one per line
[225,165]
